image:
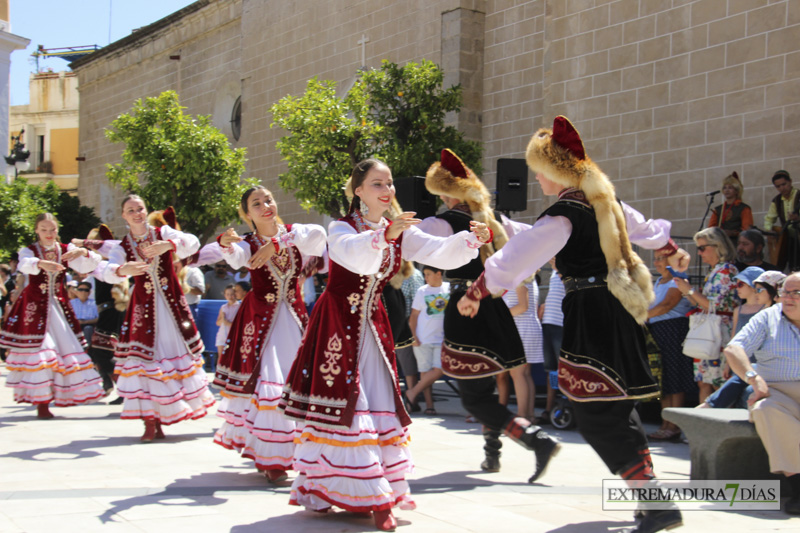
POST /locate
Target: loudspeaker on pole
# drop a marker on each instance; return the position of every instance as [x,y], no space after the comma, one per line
[412,195]
[512,185]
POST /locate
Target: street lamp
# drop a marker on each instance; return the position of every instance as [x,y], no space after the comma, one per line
[18,158]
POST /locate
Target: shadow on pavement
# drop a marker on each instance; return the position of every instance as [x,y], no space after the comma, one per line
[200,490]
[82,449]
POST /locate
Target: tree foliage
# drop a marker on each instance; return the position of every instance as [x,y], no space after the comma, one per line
[173,159]
[394,113]
[21,203]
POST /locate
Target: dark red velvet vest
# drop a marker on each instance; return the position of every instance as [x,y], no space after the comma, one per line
[138,334]
[239,366]
[26,325]
[322,387]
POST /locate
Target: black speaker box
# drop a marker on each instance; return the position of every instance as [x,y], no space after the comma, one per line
[512,185]
[413,196]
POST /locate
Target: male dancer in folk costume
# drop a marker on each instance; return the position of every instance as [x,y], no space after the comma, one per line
[475,350]
[603,367]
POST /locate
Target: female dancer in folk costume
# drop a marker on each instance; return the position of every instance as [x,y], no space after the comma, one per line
[159,350]
[352,449]
[603,367]
[265,334]
[112,302]
[46,359]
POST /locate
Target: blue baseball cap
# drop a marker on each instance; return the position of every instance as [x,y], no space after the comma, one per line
[749,275]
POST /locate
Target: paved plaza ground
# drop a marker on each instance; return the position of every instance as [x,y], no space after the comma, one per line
[86,471]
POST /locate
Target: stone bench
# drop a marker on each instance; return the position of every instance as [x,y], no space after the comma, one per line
[723,444]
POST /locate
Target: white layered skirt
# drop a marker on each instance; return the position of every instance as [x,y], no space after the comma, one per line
[171,388]
[253,425]
[361,468]
[59,372]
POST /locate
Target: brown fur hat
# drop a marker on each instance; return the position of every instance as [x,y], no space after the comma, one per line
[451,177]
[164,218]
[559,155]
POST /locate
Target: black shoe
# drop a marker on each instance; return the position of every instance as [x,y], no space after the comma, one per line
[491,464]
[118,401]
[792,504]
[545,448]
[660,520]
[543,419]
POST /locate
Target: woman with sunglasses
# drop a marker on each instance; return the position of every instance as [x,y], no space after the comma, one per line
[717,296]
[729,394]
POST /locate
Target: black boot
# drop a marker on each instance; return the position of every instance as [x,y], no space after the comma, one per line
[491,447]
[659,520]
[535,439]
[793,503]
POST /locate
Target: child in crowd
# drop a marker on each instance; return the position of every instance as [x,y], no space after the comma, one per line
[226,315]
[427,326]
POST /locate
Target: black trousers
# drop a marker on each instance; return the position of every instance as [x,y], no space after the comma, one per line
[479,399]
[104,363]
[613,430]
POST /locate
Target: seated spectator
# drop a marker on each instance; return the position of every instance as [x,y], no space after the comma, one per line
[750,251]
[733,216]
[717,296]
[772,337]
[669,325]
[85,309]
[753,301]
[782,217]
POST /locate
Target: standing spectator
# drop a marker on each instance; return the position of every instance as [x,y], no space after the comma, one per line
[718,296]
[669,326]
[405,356]
[523,304]
[85,309]
[227,312]
[427,326]
[395,303]
[733,216]
[750,251]
[552,318]
[240,289]
[772,337]
[782,217]
[216,280]
[8,286]
[192,284]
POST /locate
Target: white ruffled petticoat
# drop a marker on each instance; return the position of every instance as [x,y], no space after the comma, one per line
[169,389]
[361,468]
[253,426]
[59,372]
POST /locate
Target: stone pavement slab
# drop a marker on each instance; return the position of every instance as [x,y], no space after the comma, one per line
[86,471]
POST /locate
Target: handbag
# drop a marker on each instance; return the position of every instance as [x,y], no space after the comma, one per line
[704,339]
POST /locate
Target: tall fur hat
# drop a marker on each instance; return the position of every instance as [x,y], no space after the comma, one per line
[164,218]
[558,153]
[451,177]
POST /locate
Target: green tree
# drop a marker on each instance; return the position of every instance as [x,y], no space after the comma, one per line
[75,220]
[327,137]
[21,203]
[394,113]
[173,159]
